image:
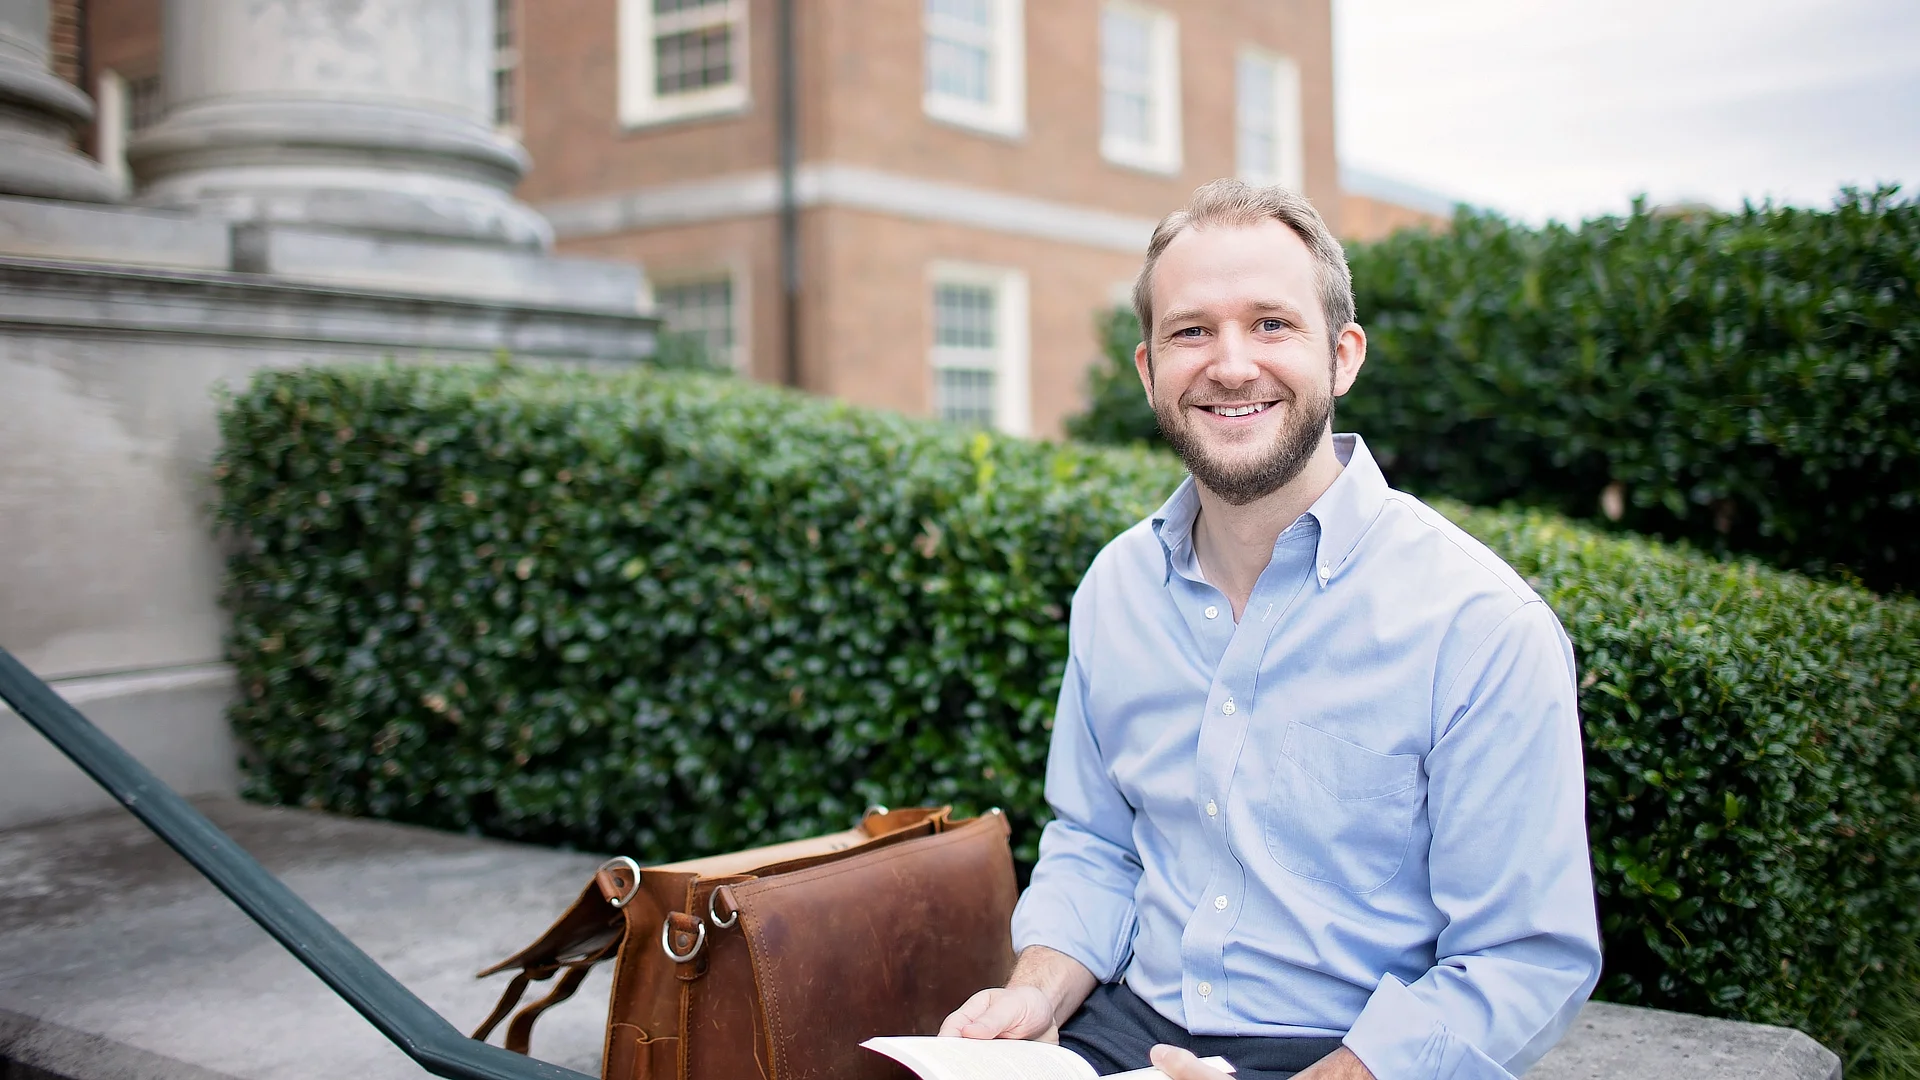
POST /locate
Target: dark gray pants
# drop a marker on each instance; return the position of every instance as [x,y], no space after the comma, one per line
[1115,1029]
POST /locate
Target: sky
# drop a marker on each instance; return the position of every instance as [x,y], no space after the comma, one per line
[1566,109]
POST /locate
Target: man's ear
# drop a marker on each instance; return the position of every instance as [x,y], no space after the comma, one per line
[1349,355]
[1143,363]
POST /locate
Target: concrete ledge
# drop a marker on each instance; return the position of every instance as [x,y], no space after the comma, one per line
[162,239]
[117,960]
[467,270]
[115,953]
[73,300]
[173,720]
[1618,1042]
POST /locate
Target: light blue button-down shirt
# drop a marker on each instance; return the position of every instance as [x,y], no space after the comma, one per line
[1357,812]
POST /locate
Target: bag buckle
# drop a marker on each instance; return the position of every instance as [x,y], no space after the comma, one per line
[666,940]
[633,871]
[713,910]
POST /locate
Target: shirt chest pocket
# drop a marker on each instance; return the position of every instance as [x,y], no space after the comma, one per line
[1338,812]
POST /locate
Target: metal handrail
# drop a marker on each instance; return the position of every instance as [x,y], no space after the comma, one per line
[412,1025]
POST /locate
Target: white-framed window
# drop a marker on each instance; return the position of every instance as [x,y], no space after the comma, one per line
[1267,120]
[506,66]
[976,64]
[980,346]
[706,306]
[681,58]
[1139,87]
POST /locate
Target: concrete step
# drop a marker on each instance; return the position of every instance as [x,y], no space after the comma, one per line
[118,961]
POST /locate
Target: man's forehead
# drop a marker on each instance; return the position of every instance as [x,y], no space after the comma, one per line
[1260,263]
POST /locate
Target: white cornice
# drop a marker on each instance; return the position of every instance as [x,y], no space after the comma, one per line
[855,187]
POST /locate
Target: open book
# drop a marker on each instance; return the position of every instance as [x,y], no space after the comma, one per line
[935,1058]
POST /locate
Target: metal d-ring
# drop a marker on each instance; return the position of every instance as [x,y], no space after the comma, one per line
[633,870]
[713,913]
[666,940]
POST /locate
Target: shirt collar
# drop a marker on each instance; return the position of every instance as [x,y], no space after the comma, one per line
[1347,508]
[1343,511]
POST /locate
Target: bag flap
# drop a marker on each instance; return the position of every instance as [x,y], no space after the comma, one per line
[883,941]
[739,862]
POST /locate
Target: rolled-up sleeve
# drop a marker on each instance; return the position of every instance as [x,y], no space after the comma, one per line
[1081,899]
[1520,949]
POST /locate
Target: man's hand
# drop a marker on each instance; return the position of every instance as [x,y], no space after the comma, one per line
[1044,989]
[1180,1064]
[1007,1012]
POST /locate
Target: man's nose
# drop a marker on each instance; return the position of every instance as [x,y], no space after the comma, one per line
[1233,364]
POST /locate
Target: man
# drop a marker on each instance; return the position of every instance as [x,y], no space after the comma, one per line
[1316,765]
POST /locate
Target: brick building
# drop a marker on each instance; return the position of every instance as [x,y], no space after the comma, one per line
[957,188]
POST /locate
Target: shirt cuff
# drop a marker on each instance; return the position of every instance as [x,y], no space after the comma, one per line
[1102,944]
[1400,1037]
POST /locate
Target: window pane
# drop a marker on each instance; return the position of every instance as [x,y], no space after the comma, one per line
[693,60]
[145,103]
[1126,74]
[958,70]
[963,316]
[963,395]
[1124,43]
[502,97]
[503,24]
[974,12]
[703,309]
[1257,93]
[1128,115]
[960,49]
[1259,143]
[669,7]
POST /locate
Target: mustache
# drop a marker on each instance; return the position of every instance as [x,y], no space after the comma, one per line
[1235,397]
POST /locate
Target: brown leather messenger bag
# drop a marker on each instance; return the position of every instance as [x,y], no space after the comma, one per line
[777,962]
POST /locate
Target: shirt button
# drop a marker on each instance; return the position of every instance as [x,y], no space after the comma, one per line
[1219,903]
[1205,989]
[1212,810]
[1228,707]
[1212,612]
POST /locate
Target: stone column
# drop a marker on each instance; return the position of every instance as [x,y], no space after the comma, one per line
[370,115]
[38,114]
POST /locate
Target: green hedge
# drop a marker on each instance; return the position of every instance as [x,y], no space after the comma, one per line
[667,614]
[1750,381]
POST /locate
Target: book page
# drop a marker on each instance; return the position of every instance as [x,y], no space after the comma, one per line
[935,1058]
[1000,1059]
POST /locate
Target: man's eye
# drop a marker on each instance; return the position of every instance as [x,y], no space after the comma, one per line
[1189,332]
[1272,326]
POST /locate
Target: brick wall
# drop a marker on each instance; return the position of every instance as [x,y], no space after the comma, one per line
[865,64]
[569,78]
[64,27]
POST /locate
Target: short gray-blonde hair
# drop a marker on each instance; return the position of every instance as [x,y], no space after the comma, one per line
[1233,203]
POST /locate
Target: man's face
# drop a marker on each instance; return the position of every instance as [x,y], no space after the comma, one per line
[1241,377]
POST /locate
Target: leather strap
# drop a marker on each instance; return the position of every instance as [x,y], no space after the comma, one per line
[520,1032]
[508,999]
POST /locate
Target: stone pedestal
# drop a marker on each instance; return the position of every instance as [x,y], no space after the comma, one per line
[38,115]
[117,327]
[373,116]
[326,187]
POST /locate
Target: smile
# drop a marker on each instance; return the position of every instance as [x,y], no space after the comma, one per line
[1238,410]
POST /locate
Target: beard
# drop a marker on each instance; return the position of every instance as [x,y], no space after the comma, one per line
[1241,482]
